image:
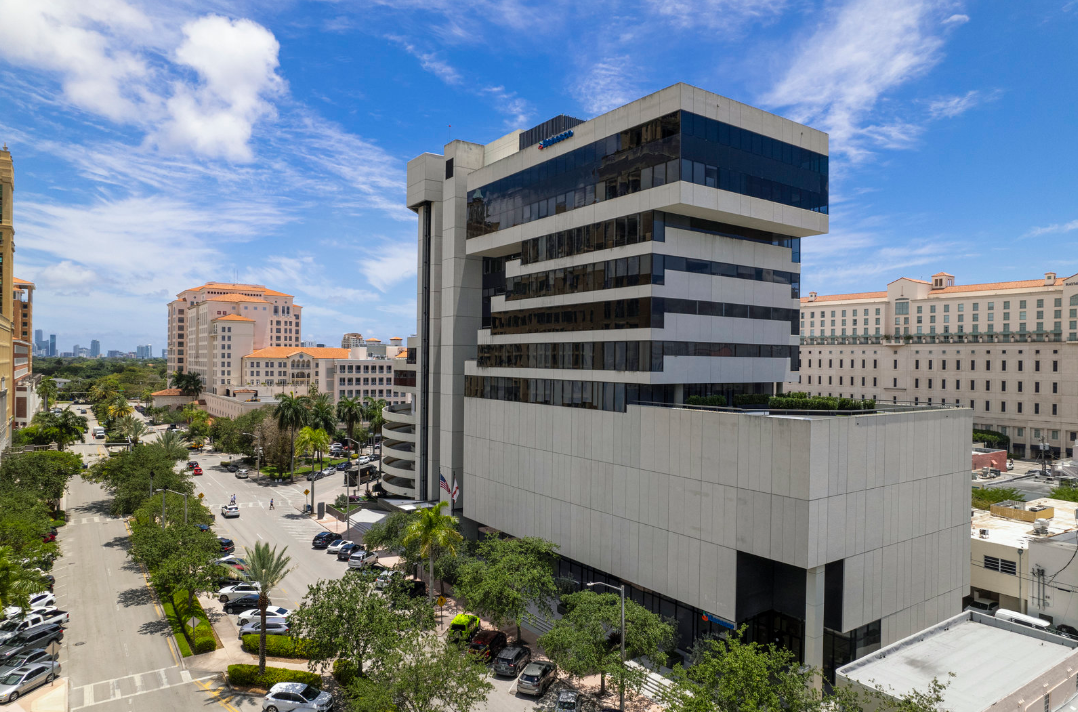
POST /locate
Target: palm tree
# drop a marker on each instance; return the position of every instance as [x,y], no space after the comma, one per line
[17,582]
[119,407]
[133,428]
[290,414]
[433,530]
[172,443]
[190,384]
[350,412]
[372,413]
[322,414]
[70,427]
[101,392]
[267,568]
[47,389]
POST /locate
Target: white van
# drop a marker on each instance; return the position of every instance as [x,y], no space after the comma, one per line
[1021,619]
[99,433]
[983,605]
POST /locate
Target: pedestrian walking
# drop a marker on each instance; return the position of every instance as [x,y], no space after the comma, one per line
[271,503]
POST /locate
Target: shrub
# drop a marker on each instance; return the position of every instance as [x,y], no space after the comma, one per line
[277,646]
[821,403]
[344,671]
[992,439]
[985,498]
[200,638]
[714,401]
[177,627]
[247,676]
[743,399]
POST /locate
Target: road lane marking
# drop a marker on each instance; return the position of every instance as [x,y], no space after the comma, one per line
[90,700]
[218,696]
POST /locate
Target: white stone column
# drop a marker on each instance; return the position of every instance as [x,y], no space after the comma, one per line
[814,599]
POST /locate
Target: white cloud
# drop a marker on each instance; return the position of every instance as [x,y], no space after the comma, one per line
[956,20]
[861,51]
[86,45]
[948,107]
[236,62]
[725,15]
[1052,229]
[608,84]
[429,61]
[66,278]
[517,110]
[389,264]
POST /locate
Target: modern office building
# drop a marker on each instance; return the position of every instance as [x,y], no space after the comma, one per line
[142,351]
[1007,350]
[578,282]
[52,344]
[95,348]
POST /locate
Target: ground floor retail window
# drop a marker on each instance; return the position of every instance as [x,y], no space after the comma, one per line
[842,648]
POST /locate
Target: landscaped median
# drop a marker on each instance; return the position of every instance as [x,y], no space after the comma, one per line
[194,641]
[248,676]
[277,646]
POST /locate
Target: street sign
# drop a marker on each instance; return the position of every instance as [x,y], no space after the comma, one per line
[441,601]
[53,649]
[306,491]
[200,495]
[193,623]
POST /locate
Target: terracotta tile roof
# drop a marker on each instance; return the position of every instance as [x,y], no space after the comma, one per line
[168,392]
[287,351]
[234,298]
[232,317]
[909,279]
[943,274]
[274,293]
[245,390]
[841,297]
[245,287]
[22,281]
[402,354]
[373,339]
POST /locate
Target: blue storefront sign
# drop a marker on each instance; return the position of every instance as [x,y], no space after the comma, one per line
[555,139]
[718,620]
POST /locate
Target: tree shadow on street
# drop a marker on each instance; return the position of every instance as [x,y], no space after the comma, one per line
[159,626]
[99,508]
[135,596]
[119,542]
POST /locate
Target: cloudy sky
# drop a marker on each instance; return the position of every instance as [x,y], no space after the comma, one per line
[159,145]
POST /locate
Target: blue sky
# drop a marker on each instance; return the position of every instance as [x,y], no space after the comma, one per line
[159,145]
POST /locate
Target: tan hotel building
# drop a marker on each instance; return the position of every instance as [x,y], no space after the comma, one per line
[1003,349]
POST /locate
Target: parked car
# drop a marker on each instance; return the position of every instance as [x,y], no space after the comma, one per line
[342,465]
[203,527]
[323,539]
[229,593]
[336,545]
[196,471]
[569,701]
[19,682]
[253,614]
[463,627]
[191,464]
[227,545]
[360,557]
[345,551]
[242,473]
[288,696]
[488,643]
[983,605]
[50,616]
[510,661]
[30,640]
[231,467]
[1067,631]
[28,657]
[385,577]
[274,626]
[241,604]
[537,678]
[230,510]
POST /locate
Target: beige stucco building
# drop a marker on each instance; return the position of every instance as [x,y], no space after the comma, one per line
[1005,349]
[7,302]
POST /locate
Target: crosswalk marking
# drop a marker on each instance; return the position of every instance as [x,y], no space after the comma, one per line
[143,683]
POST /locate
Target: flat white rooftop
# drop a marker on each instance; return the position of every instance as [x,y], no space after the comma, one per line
[990,660]
[1016,533]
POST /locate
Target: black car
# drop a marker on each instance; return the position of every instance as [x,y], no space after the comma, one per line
[232,468]
[241,604]
[345,551]
[30,639]
[203,527]
[227,545]
[323,539]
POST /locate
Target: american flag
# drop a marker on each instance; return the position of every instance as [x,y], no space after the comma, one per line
[444,485]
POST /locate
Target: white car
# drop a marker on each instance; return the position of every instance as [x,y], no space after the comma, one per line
[38,600]
[230,510]
[385,577]
[289,696]
[364,460]
[252,614]
[335,547]
[238,590]
[242,473]
[360,557]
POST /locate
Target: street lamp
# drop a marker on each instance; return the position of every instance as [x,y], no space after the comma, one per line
[621,682]
[162,491]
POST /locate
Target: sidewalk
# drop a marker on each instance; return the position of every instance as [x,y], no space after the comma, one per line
[231,651]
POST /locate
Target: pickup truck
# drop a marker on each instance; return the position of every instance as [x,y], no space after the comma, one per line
[13,626]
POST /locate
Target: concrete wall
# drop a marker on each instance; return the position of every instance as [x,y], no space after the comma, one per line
[665,498]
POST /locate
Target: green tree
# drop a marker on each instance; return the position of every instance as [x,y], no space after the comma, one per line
[290,415]
[985,498]
[267,568]
[131,427]
[349,619]
[321,414]
[47,389]
[312,442]
[434,532]
[509,580]
[350,412]
[372,413]
[128,476]
[190,384]
[422,674]
[17,582]
[172,445]
[45,473]
[585,641]
[70,427]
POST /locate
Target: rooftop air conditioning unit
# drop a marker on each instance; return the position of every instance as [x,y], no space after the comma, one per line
[1040,526]
[983,533]
[984,471]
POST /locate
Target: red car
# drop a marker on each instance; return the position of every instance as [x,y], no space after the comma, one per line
[197,470]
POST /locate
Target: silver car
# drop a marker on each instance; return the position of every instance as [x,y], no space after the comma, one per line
[29,657]
[512,660]
[537,678]
[22,680]
[288,696]
[274,626]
